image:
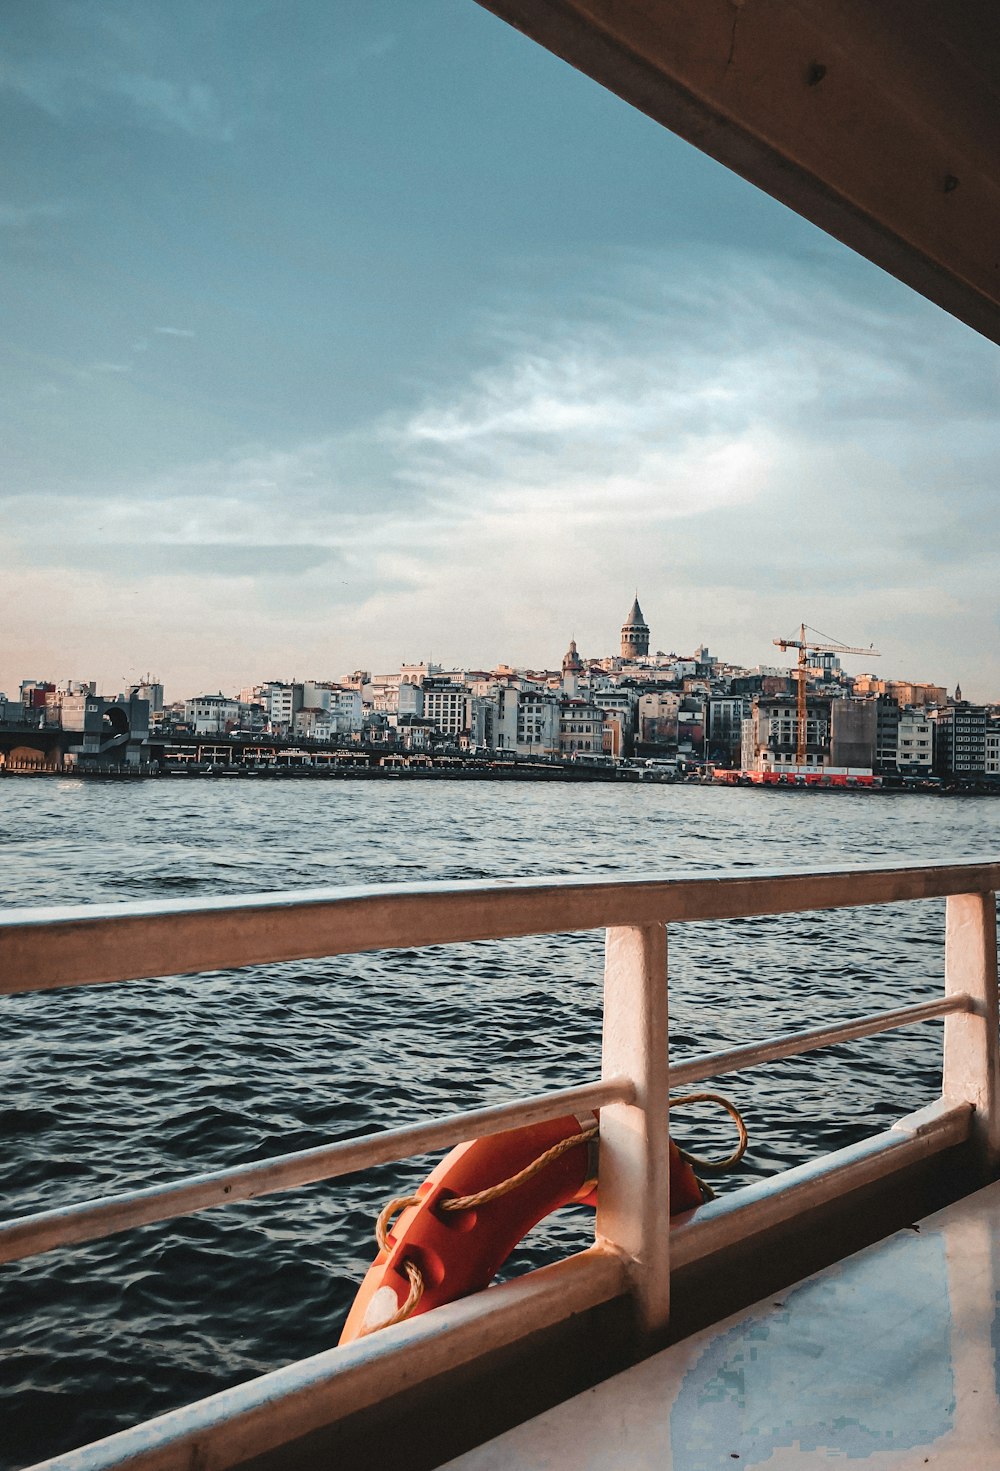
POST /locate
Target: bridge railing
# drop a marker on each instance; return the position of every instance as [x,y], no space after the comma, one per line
[634,1248]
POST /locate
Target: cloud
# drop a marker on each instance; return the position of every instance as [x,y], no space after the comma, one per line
[223,560]
[101,63]
[174,331]
[691,396]
[746,445]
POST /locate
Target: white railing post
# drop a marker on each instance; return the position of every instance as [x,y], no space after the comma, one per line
[972,1038]
[633,1211]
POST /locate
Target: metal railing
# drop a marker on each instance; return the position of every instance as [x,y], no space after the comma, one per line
[634,1246]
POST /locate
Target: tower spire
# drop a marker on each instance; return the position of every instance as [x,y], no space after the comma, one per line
[635,632]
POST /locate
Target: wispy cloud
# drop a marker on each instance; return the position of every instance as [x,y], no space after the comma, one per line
[747,449]
[174,331]
[102,62]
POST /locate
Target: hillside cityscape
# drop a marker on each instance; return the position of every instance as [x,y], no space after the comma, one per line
[652,711]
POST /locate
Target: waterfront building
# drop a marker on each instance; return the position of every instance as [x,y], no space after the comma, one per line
[960,739]
[280,705]
[538,723]
[993,747]
[448,707]
[412,733]
[724,719]
[146,688]
[73,711]
[622,705]
[657,717]
[691,726]
[853,725]
[115,732]
[635,634]
[483,722]
[313,724]
[581,728]
[211,714]
[614,737]
[770,734]
[915,747]
[887,722]
[34,691]
[346,709]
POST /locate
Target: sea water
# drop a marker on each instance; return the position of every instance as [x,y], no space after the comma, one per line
[109,1088]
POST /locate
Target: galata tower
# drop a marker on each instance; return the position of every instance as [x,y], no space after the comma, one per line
[635,634]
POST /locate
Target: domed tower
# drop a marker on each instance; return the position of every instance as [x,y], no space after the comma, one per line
[572,668]
[635,634]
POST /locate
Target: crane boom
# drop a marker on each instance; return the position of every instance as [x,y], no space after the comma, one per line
[806,646]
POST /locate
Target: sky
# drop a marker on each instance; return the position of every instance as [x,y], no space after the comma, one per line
[337,335]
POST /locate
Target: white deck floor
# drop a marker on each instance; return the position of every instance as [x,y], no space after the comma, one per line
[888,1359]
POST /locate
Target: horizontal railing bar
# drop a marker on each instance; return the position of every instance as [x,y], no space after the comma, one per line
[768,1203]
[277,1409]
[91,1219]
[792,1044]
[44,948]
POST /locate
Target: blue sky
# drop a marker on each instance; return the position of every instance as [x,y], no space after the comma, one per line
[338,334]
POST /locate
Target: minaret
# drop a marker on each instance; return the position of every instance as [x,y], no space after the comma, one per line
[635,633]
[572,668]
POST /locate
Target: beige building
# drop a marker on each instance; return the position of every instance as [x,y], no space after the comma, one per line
[581,729]
[903,691]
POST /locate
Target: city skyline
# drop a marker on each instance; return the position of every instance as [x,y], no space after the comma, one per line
[653,655]
[385,335]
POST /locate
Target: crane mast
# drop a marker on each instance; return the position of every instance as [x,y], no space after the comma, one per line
[806,647]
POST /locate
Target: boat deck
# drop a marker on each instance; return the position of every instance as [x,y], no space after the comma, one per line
[889,1359]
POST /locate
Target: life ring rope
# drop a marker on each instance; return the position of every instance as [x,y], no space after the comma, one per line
[714,1165]
[413,1272]
[464,1203]
[504,1187]
[483,1197]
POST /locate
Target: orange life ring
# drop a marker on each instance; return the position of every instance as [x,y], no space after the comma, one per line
[459,1252]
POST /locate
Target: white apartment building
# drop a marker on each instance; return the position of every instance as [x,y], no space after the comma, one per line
[211,714]
[279,704]
[915,744]
[345,709]
[537,728]
[622,702]
[448,707]
[770,735]
[992,749]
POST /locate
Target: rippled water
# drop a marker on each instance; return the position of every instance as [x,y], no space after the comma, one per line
[112,1087]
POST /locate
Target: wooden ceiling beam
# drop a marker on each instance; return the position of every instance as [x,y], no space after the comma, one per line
[875,119]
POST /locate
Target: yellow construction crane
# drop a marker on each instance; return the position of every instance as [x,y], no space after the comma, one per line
[806,646]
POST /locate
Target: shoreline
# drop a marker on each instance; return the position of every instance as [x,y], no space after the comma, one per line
[478,771]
